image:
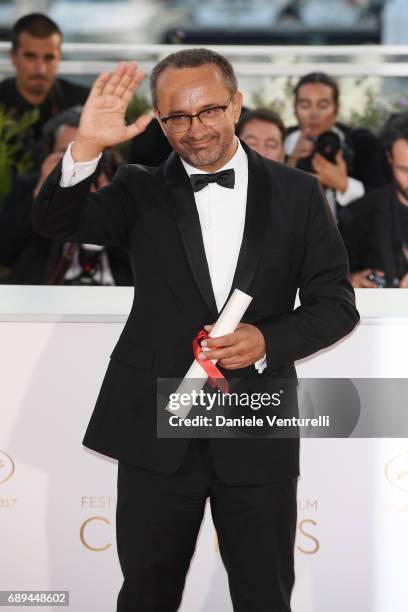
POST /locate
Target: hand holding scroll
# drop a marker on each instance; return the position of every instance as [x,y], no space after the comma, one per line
[239,349]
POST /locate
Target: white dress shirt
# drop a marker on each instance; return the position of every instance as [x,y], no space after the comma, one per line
[222,218]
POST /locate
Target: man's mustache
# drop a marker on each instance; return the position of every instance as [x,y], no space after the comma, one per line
[195,140]
[40,77]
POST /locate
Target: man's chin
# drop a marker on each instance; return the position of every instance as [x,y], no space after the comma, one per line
[202,157]
[37,89]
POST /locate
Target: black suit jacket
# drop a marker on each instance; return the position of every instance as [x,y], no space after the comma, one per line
[290,240]
[369,227]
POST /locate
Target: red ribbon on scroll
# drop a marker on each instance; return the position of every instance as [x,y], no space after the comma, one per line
[215,377]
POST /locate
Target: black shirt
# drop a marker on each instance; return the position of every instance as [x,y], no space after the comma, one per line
[62,95]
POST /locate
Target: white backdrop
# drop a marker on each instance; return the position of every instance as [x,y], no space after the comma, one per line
[57,498]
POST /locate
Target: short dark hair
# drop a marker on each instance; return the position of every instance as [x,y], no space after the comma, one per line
[395,128]
[193,58]
[36,24]
[261,114]
[321,78]
[70,116]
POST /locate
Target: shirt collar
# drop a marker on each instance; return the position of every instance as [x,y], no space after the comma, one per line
[237,162]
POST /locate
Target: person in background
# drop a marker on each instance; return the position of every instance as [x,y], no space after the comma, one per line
[347,161]
[36,55]
[263,130]
[375,230]
[36,260]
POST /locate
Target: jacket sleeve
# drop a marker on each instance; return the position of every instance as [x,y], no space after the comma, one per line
[327,311]
[73,214]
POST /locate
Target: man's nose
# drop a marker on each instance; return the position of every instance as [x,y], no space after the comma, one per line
[196,127]
[41,66]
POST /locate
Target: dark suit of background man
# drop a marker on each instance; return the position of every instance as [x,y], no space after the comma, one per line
[36,54]
[36,260]
[172,235]
[375,228]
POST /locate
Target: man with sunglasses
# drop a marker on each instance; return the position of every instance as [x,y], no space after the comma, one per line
[214,217]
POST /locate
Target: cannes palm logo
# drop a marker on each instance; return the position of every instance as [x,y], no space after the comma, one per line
[396,471]
[6,467]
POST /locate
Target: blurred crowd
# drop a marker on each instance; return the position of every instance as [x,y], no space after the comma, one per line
[365,177]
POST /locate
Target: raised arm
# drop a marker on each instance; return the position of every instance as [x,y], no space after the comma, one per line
[71,212]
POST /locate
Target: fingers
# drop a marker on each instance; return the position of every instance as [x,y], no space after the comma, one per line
[128,82]
[99,84]
[114,79]
[121,82]
[132,86]
[318,161]
[138,126]
[360,279]
[220,353]
[233,365]
[227,340]
[366,284]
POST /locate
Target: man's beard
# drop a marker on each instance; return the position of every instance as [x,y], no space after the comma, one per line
[202,158]
[205,157]
[38,86]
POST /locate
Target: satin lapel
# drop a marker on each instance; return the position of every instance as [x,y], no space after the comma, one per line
[256,221]
[184,209]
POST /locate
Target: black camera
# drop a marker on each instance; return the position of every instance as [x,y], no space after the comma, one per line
[328,144]
[383,282]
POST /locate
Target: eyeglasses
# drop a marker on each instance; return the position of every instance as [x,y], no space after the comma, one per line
[208,117]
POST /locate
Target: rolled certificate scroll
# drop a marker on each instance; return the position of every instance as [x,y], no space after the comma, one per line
[226,323]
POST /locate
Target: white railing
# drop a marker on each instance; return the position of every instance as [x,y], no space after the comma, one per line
[248,60]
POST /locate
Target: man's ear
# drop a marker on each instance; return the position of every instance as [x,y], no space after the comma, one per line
[237,105]
[388,155]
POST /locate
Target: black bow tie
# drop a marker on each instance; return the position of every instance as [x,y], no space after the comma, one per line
[225,178]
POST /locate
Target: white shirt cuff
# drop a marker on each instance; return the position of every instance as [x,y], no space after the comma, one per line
[74,172]
[261,364]
[355,190]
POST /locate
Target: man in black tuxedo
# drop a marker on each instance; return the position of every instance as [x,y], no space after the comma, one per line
[267,230]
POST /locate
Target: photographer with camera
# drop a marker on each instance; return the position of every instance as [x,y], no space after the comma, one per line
[375,230]
[347,161]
